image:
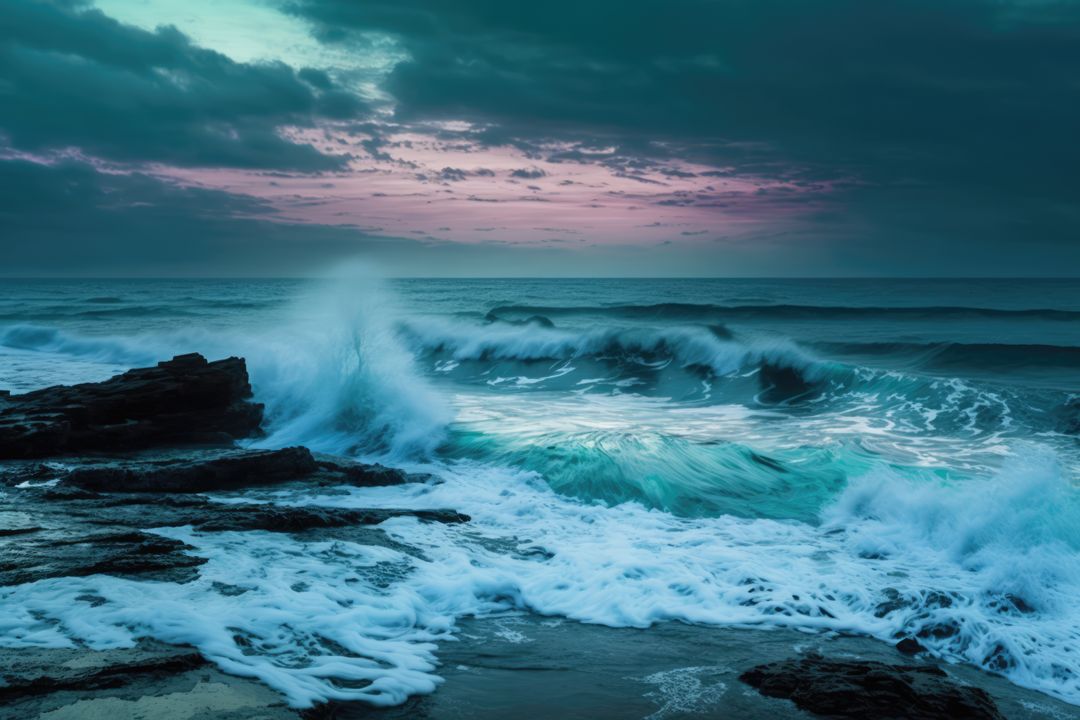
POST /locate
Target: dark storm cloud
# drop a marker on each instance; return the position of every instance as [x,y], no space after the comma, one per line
[933,109]
[72,77]
[889,84]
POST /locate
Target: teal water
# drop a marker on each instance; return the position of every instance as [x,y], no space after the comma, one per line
[885,457]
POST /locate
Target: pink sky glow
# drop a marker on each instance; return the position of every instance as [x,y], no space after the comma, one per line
[419,184]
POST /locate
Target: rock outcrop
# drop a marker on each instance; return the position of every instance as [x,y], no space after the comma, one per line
[227,471]
[868,689]
[150,680]
[180,401]
[198,471]
[124,553]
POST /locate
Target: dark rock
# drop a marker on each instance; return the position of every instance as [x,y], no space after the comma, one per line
[29,473]
[149,680]
[910,646]
[223,472]
[69,493]
[218,471]
[180,401]
[122,671]
[345,472]
[128,554]
[867,689]
[286,519]
[9,532]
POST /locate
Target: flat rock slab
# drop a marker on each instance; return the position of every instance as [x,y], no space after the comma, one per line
[299,519]
[217,471]
[150,680]
[868,689]
[228,471]
[183,400]
[49,531]
[124,554]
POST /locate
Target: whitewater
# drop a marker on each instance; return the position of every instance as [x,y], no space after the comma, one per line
[885,458]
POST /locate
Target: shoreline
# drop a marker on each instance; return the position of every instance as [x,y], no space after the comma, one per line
[90,470]
[512,665]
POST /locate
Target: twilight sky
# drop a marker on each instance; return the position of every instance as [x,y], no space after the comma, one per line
[565,137]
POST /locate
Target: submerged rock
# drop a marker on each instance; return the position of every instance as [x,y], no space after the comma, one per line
[868,689]
[183,400]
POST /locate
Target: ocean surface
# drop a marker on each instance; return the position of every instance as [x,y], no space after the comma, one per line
[888,458]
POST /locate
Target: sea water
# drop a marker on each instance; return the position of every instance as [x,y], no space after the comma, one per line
[890,458]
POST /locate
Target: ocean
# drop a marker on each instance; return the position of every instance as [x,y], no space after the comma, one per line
[882,458]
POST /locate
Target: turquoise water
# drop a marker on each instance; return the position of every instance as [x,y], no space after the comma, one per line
[886,457]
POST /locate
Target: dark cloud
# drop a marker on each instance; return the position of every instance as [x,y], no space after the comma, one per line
[452,174]
[836,81]
[925,110]
[70,219]
[72,77]
[528,173]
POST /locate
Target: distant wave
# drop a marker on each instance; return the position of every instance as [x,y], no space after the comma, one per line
[112,310]
[40,338]
[139,311]
[710,348]
[690,311]
[966,355]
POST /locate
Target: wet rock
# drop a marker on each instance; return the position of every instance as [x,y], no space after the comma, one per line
[345,472]
[228,471]
[284,519]
[10,532]
[183,400]
[868,689]
[150,680]
[28,473]
[910,646]
[26,679]
[219,471]
[126,554]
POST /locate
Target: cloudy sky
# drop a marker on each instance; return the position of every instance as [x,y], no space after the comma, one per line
[565,137]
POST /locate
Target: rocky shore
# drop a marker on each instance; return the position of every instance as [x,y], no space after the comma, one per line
[86,470]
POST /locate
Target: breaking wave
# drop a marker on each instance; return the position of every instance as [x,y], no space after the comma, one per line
[691,311]
[655,465]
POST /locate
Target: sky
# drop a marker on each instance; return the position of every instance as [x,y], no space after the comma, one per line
[719,138]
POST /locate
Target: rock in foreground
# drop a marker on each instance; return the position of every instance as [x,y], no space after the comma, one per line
[183,400]
[201,471]
[867,689]
[150,680]
[226,472]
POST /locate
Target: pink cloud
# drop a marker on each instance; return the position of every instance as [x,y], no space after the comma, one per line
[418,183]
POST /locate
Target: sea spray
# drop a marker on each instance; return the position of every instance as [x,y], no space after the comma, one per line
[337,379]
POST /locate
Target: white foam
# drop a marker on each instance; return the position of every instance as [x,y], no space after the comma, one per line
[683,691]
[688,345]
[308,619]
[949,559]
